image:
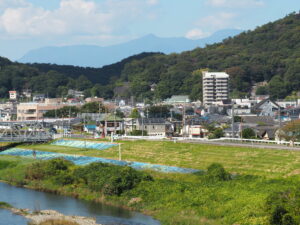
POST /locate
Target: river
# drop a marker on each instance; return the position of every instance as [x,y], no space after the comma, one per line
[36,200]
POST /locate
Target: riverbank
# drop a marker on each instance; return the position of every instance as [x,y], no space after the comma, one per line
[178,198]
[43,216]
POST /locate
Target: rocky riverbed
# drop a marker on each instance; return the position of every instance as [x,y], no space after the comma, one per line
[46,215]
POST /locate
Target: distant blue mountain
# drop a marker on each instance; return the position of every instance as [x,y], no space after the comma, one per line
[96,56]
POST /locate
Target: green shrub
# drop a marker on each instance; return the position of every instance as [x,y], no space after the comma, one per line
[283,207]
[287,219]
[44,169]
[6,164]
[216,172]
[248,133]
[138,133]
[63,178]
[109,179]
[5,205]
[277,215]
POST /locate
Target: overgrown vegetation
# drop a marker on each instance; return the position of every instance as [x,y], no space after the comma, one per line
[5,205]
[99,177]
[212,197]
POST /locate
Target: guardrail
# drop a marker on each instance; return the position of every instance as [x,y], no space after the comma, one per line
[257,141]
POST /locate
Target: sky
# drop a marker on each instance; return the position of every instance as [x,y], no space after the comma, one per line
[31,24]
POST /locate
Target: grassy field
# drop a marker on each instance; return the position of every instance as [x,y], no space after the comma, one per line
[264,162]
[180,199]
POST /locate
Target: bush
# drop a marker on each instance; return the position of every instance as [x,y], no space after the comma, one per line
[138,133]
[216,172]
[110,179]
[63,178]
[277,215]
[248,133]
[282,207]
[6,164]
[43,169]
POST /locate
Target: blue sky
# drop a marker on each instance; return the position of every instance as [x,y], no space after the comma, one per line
[30,24]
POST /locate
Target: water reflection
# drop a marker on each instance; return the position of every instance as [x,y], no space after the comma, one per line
[104,214]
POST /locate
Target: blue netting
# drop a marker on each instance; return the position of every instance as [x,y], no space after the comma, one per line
[83,160]
[83,144]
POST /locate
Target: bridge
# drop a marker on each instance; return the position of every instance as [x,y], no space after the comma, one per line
[27,131]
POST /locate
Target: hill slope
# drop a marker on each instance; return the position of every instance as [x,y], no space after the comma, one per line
[55,80]
[269,53]
[96,56]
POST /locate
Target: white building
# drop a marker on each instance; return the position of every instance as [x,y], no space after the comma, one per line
[13,95]
[215,87]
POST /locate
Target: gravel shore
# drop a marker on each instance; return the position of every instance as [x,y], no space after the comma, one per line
[45,215]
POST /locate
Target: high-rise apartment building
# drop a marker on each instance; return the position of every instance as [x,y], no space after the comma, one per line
[215,87]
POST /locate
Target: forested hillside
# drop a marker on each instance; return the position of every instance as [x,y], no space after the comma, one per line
[55,80]
[270,53]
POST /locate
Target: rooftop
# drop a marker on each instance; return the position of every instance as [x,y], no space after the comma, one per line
[215,74]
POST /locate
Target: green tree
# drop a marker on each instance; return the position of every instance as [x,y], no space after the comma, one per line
[262,90]
[248,133]
[92,107]
[216,172]
[277,87]
[291,131]
[218,133]
[134,113]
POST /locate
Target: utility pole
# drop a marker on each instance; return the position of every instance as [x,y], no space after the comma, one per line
[279,123]
[143,119]
[120,153]
[142,125]
[70,118]
[232,121]
[183,121]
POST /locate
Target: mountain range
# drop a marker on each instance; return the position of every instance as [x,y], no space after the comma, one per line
[97,56]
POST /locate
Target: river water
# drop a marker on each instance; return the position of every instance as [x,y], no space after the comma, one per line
[36,200]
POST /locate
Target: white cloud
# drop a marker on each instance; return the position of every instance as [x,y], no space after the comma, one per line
[12,3]
[216,21]
[72,17]
[235,3]
[196,33]
[152,2]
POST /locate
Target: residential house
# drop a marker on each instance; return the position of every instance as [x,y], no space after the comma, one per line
[266,107]
[75,93]
[39,98]
[90,128]
[154,126]
[288,104]
[26,93]
[177,100]
[94,99]
[36,110]
[194,128]
[13,95]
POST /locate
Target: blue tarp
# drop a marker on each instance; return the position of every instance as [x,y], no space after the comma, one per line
[83,160]
[84,144]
